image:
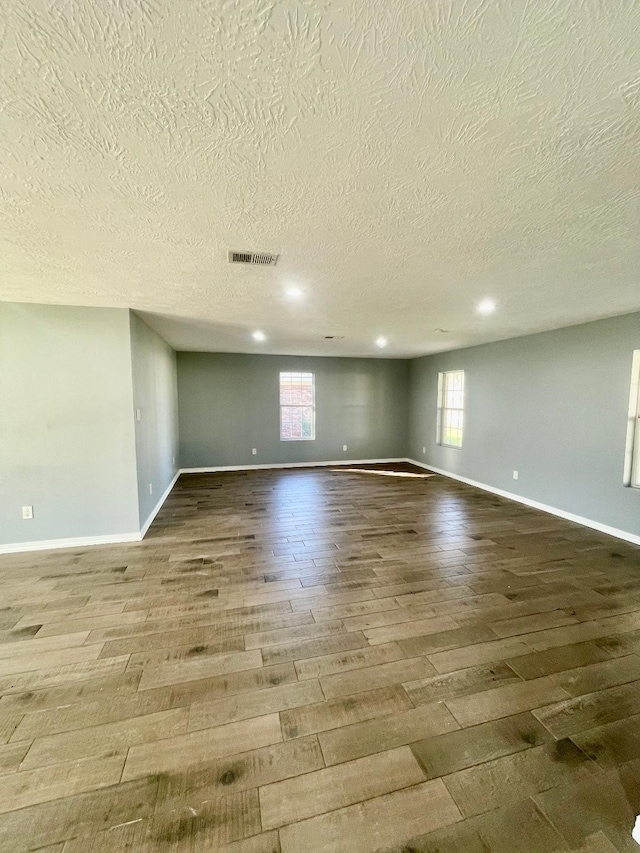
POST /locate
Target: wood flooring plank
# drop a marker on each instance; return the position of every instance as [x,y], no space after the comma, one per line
[101,741]
[12,755]
[590,804]
[366,738]
[338,786]
[37,645]
[564,636]
[370,678]
[612,744]
[358,608]
[417,628]
[174,672]
[91,689]
[463,682]
[59,675]
[340,662]
[444,640]
[557,659]
[244,771]
[77,816]
[266,842]
[207,825]
[457,750]
[516,829]
[289,635]
[374,824]
[247,705]
[534,622]
[477,654]
[335,713]
[231,684]
[504,701]
[47,661]
[303,649]
[575,715]
[600,675]
[204,745]
[512,778]
[91,623]
[29,787]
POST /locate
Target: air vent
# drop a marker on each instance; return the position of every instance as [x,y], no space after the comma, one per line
[264,259]
[334,337]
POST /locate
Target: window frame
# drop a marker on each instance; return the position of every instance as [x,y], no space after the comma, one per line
[282,406]
[442,409]
[631,476]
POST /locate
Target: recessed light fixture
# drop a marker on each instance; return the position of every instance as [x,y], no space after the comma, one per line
[487,306]
[294,292]
[259,336]
[381,342]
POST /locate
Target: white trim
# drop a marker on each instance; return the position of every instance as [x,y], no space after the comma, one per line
[83,541]
[569,516]
[158,506]
[77,542]
[216,469]
[631,475]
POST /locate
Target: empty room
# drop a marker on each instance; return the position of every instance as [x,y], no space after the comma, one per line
[319,426]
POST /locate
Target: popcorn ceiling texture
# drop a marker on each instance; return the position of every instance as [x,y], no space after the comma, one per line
[406,159]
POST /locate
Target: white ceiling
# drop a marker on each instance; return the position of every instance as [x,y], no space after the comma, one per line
[405,158]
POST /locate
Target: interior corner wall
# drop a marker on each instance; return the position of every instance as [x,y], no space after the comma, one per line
[552,406]
[229,404]
[67,443]
[155,397]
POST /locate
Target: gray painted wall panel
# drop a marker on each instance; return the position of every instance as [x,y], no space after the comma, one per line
[552,406]
[155,394]
[67,442]
[229,403]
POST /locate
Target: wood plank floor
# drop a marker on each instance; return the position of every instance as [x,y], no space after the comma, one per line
[325,660]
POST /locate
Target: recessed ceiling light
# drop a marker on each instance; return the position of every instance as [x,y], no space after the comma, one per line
[381,342]
[259,336]
[487,306]
[294,292]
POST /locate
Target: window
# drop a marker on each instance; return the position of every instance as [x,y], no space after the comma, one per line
[450,408]
[297,407]
[632,455]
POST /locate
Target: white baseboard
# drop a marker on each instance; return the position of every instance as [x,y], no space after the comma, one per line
[75,542]
[84,541]
[158,506]
[220,468]
[569,516]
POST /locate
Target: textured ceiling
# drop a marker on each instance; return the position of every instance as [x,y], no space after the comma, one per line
[405,158]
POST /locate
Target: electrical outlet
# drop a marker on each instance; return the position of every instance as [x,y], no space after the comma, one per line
[424,450]
[344,447]
[173,460]
[138,415]
[150,488]
[515,475]
[254,451]
[27,512]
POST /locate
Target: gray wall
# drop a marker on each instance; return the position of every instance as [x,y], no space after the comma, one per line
[552,406]
[67,443]
[229,403]
[155,394]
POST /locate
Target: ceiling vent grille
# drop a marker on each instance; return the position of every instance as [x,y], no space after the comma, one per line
[263,259]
